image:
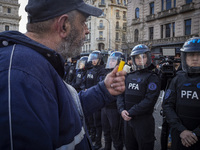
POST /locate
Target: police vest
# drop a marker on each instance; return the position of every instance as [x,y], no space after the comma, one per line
[136,85]
[91,77]
[188,101]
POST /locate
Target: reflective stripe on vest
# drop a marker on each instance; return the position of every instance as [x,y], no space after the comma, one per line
[77,139]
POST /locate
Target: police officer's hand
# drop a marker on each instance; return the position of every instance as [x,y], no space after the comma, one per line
[125,115]
[114,82]
[188,138]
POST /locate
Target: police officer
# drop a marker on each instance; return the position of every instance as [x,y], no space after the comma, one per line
[72,71]
[111,119]
[79,79]
[136,105]
[182,100]
[93,76]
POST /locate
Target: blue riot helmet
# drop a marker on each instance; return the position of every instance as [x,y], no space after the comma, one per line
[95,58]
[114,59]
[190,55]
[81,63]
[141,57]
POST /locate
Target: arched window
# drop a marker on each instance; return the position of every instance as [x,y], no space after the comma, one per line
[7,28]
[117,25]
[136,35]
[101,23]
[137,12]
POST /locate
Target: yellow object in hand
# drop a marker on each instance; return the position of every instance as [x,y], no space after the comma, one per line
[121,65]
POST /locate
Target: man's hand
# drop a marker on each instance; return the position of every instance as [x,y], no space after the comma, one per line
[125,115]
[188,138]
[115,82]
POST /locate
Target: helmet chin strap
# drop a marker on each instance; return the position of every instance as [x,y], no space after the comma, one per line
[194,69]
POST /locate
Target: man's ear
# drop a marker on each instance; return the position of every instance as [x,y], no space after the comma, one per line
[63,26]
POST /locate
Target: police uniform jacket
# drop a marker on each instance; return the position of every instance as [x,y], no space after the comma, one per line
[141,93]
[37,111]
[182,103]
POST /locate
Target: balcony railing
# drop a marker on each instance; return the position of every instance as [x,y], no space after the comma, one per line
[135,21]
[118,17]
[100,39]
[102,4]
[101,27]
[167,13]
[187,7]
[117,28]
[117,40]
[150,17]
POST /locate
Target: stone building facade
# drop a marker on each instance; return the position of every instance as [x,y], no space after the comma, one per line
[107,32]
[161,24]
[9,17]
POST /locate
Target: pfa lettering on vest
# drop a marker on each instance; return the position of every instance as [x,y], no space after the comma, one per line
[79,75]
[90,76]
[133,86]
[189,94]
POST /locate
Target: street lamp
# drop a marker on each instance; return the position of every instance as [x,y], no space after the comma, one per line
[109,40]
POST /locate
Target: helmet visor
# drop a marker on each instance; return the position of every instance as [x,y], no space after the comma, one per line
[111,62]
[80,64]
[191,62]
[141,61]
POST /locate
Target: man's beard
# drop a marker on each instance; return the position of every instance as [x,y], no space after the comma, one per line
[71,45]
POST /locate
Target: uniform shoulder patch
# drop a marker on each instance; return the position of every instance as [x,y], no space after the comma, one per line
[152,86]
[167,93]
[198,85]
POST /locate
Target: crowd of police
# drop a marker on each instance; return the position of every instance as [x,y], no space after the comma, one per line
[129,121]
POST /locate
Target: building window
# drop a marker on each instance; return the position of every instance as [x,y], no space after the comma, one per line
[89,47]
[188,27]
[7,28]
[137,12]
[124,26]
[124,15]
[123,37]
[167,30]
[168,4]
[162,5]
[161,31]
[173,29]
[117,14]
[117,25]
[117,1]
[174,3]
[116,47]
[151,8]
[103,2]
[151,33]
[117,36]
[101,34]
[8,10]
[101,23]
[125,3]
[136,35]
[188,1]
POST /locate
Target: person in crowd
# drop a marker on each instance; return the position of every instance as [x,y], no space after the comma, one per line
[136,104]
[95,74]
[79,79]
[165,81]
[181,101]
[111,119]
[38,110]
[72,71]
[128,65]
